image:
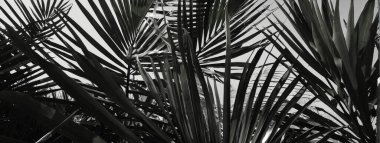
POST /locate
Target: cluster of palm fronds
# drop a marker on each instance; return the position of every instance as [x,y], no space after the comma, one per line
[153,71]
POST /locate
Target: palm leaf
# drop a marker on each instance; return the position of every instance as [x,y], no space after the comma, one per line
[340,59]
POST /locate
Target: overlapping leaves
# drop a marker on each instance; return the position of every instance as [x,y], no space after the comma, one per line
[344,59]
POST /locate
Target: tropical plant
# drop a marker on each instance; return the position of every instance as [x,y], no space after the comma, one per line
[19,73]
[135,38]
[151,70]
[341,66]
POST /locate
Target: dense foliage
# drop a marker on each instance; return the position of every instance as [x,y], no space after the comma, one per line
[155,71]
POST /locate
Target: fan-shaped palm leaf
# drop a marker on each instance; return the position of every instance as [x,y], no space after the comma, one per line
[346,61]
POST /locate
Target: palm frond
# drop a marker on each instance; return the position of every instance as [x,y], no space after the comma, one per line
[344,60]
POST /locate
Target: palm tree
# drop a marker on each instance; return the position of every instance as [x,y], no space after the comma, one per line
[340,67]
[155,62]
